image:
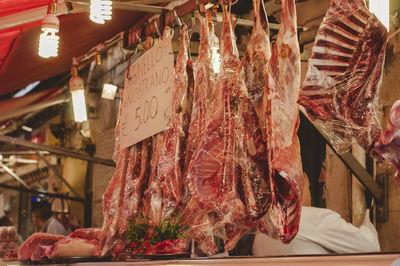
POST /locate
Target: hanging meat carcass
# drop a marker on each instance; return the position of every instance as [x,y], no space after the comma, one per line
[255,61]
[254,171]
[152,197]
[388,145]
[165,196]
[284,161]
[114,194]
[199,221]
[213,174]
[137,176]
[125,188]
[341,87]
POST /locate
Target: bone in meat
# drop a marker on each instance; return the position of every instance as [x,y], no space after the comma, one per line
[212,175]
[341,87]
[200,222]
[284,162]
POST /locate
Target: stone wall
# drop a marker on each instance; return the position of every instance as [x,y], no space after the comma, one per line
[101,174]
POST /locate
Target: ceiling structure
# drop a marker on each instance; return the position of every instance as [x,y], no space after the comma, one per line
[23,65]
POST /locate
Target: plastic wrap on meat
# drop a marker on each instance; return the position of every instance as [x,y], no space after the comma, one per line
[212,175]
[169,174]
[81,243]
[254,172]
[34,248]
[152,197]
[137,175]
[284,161]
[200,222]
[342,84]
[114,194]
[130,204]
[388,145]
[202,83]
[164,195]
[201,226]
[255,60]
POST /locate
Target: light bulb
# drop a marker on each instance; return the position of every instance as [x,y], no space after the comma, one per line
[77,88]
[48,41]
[100,10]
[79,105]
[381,9]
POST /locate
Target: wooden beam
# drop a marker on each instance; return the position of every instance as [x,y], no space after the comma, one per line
[56,150]
[48,194]
[129,6]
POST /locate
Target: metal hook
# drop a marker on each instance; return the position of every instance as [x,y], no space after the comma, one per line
[177,19]
[139,40]
[157,30]
[122,51]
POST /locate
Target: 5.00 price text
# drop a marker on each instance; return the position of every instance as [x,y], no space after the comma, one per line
[144,113]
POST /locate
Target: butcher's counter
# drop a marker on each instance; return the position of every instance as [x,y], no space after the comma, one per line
[342,260]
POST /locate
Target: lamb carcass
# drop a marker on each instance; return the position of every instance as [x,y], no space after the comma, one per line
[199,221]
[253,156]
[114,194]
[212,174]
[164,196]
[284,161]
[342,84]
[137,175]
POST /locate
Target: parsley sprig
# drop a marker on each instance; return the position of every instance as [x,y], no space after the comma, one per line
[141,234]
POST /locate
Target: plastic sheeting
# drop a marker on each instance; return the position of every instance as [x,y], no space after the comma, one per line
[344,73]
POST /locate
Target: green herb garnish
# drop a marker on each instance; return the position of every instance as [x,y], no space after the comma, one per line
[138,229]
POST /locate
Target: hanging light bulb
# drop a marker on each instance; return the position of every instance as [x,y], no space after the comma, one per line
[381,9]
[77,88]
[48,41]
[100,10]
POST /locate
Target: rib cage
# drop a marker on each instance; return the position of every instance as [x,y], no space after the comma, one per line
[344,73]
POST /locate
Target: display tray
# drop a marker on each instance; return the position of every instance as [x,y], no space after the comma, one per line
[158,257]
[66,260]
[80,259]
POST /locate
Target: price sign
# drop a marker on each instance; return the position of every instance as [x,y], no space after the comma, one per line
[147,96]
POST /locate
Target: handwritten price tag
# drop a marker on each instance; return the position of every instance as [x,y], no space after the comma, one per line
[147,98]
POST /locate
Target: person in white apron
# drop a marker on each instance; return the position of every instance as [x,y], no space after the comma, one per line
[321,231]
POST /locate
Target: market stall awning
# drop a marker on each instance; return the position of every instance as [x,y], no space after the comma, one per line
[20,63]
[9,7]
[15,105]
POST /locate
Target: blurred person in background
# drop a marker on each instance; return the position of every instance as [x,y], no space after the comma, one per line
[44,221]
